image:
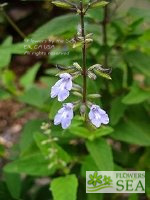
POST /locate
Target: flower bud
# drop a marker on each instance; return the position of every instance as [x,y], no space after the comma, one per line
[91,75]
[77,66]
[94,96]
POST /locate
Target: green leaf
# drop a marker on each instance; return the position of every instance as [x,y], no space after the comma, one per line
[8,79]
[117,110]
[35,96]
[4,192]
[33,164]
[61,4]
[101,153]
[88,165]
[27,133]
[28,79]
[98,3]
[135,129]
[4,94]
[5,57]
[65,188]
[57,26]
[91,135]
[13,182]
[139,61]
[136,95]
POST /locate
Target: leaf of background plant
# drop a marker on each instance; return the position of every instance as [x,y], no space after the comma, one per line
[135,130]
[139,61]
[27,133]
[13,182]
[117,110]
[140,13]
[61,4]
[133,196]
[95,196]
[35,96]
[88,164]
[99,3]
[64,188]
[101,153]
[147,183]
[33,164]
[96,14]
[136,95]
[57,26]
[4,192]
[8,80]
[5,56]
[29,77]
[61,153]
[4,94]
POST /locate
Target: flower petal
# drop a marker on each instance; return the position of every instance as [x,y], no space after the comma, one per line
[54,91]
[63,94]
[104,119]
[65,123]
[68,85]
[57,119]
[96,122]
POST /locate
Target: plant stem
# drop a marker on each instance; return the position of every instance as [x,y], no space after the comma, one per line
[104,27]
[83,55]
[14,25]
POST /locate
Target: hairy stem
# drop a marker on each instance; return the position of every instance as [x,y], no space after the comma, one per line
[104,28]
[14,25]
[83,55]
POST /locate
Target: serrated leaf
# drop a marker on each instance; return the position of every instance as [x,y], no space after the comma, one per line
[98,4]
[102,74]
[101,153]
[64,188]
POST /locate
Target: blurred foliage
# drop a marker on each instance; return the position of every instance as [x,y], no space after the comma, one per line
[123,145]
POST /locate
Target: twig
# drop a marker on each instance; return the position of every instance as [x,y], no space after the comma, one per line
[14,25]
[83,54]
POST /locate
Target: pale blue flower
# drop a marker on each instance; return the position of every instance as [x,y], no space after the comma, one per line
[62,87]
[64,116]
[98,116]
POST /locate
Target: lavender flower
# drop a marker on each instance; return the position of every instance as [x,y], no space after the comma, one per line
[98,116]
[62,87]
[64,115]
